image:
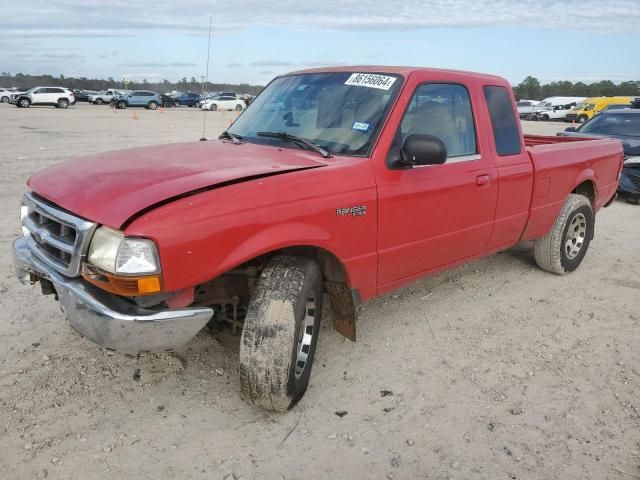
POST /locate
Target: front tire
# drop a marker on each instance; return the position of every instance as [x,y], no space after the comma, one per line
[582,118]
[562,249]
[99,101]
[24,103]
[121,105]
[152,105]
[213,107]
[5,99]
[280,333]
[238,108]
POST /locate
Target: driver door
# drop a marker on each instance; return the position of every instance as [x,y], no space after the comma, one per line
[436,215]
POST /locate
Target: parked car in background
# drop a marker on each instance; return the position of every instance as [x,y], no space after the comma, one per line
[101,98]
[623,125]
[54,96]
[225,101]
[343,190]
[80,95]
[616,106]
[167,101]
[138,98]
[5,95]
[189,99]
[555,108]
[586,109]
[526,108]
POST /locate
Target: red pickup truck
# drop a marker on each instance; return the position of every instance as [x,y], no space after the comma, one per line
[351,181]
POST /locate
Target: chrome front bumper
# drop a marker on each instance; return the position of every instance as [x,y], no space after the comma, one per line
[107,319]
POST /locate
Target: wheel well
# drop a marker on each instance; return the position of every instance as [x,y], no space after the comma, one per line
[227,286]
[586,189]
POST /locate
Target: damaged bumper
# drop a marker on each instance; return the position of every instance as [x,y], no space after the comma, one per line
[107,319]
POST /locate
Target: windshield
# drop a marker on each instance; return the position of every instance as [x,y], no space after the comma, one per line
[579,106]
[613,124]
[340,112]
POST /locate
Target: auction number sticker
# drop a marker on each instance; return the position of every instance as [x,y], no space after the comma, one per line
[371,80]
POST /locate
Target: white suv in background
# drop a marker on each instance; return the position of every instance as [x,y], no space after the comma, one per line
[56,96]
[5,95]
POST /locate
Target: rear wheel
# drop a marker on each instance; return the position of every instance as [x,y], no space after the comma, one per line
[582,118]
[563,248]
[280,333]
[63,103]
[152,105]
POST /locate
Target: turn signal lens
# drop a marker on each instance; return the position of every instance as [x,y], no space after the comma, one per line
[127,286]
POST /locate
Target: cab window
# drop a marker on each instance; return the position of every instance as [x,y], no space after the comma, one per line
[442,110]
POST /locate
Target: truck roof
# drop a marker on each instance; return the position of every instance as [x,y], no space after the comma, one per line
[398,70]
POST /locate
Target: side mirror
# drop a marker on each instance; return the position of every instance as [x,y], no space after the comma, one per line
[422,150]
[570,129]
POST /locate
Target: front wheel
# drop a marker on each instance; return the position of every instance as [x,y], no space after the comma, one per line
[238,108]
[5,99]
[24,103]
[280,333]
[563,248]
[121,105]
[152,105]
[582,118]
[213,107]
[99,101]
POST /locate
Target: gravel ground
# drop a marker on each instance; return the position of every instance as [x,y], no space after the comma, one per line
[494,370]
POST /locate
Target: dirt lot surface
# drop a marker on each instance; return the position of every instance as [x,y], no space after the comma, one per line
[494,370]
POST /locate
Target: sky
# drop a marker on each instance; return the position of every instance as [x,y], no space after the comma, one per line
[253,40]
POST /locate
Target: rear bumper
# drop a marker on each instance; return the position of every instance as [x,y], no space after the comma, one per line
[107,319]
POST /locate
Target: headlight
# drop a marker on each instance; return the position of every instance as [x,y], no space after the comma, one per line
[115,253]
[630,160]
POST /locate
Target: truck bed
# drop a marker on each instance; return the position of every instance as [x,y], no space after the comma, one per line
[562,164]
[535,140]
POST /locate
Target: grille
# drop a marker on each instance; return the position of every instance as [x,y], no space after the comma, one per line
[57,237]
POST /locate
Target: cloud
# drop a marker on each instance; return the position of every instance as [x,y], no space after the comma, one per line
[272,63]
[92,19]
[234,65]
[156,64]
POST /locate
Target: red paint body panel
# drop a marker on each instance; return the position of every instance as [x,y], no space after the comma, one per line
[418,221]
[111,187]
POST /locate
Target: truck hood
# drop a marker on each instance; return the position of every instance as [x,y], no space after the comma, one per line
[110,188]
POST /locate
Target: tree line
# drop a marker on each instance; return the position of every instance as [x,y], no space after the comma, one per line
[531,89]
[24,82]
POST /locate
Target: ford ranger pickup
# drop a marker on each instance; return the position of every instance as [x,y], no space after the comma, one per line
[349,182]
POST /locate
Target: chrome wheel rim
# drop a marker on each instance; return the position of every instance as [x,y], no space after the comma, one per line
[305,337]
[576,234]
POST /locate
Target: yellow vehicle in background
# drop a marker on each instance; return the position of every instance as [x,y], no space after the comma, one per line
[585,110]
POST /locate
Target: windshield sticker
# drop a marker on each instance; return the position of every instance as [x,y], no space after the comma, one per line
[371,80]
[361,126]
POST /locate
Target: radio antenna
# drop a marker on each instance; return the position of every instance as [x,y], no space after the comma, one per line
[204,112]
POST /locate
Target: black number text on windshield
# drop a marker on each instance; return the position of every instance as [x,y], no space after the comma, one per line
[339,112]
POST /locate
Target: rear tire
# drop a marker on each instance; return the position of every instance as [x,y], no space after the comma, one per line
[280,333]
[63,103]
[562,249]
[582,118]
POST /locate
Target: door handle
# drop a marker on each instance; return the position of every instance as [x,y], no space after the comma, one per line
[482,180]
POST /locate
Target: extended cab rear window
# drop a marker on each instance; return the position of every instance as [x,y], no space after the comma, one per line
[503,120]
